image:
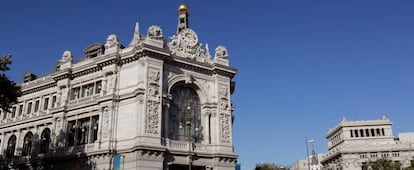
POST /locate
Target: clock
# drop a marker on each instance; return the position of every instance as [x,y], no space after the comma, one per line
[189,37]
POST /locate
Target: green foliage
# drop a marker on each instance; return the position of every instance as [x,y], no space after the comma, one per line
[269,166]
[9,92]
[384,164]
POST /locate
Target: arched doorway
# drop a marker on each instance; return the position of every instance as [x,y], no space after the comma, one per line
[11,146]
[45,141]
[27,145]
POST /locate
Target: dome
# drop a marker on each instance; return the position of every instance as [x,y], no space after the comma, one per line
[183,8]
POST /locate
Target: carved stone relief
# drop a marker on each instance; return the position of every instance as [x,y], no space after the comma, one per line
[153,101]
[152,117]
[225,127]
[105,123]
[186,44]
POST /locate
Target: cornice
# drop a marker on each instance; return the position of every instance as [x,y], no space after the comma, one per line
[39,88]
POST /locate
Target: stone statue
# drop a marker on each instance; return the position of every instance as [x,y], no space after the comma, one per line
[154,32]
[66,57]
[221,52]
[112,41]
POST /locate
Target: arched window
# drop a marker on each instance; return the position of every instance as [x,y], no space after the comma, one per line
[185,115]
[11,145]
[27,145]
[45,141]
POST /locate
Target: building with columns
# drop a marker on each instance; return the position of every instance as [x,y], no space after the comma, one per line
[156,103]
[352,144]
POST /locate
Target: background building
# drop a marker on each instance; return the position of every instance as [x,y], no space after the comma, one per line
[151,104]
[352,144]
[314,163]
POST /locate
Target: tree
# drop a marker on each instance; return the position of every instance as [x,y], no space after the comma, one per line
[9,91]
[269,166]
[384,164]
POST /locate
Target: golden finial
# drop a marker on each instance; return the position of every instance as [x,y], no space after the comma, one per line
[183,8]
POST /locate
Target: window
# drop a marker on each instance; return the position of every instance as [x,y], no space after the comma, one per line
[383,132]
[29,107]
[367,132]
[11,145]
[361,132]
[372,132]
[75,93]
[37,106]
[352,134]
[13,111]
[27,145]
[20,110]
[53,101]
[46,103]
[45,141]
[98,87]
[94,130]
[185,117]
[4,114]
[82,131]
[87,90]
[71,130]
[356,133]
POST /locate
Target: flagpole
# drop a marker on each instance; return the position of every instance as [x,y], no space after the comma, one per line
[307,152]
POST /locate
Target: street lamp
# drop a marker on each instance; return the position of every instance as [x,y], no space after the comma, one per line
[307,149]
[190,123]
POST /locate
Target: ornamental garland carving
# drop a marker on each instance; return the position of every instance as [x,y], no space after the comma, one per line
[225,127]
[153,101]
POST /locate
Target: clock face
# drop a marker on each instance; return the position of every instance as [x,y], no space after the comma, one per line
[189,37]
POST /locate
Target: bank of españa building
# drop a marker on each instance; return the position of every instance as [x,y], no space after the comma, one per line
[156,103]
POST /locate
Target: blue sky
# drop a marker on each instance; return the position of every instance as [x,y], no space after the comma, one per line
[303,65]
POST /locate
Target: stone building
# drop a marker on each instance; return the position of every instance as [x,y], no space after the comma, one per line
[155,103]
[352,144]
[313,163]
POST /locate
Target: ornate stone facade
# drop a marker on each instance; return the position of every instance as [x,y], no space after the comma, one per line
[157,104]
[352,144]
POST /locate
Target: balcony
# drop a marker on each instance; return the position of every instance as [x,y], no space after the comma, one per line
[177,145]
[84,100]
